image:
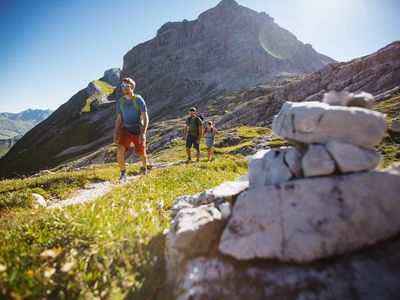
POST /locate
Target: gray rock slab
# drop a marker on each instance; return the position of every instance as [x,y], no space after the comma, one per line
[317,162]
[194,230]
[308,219]
[268,167]
[316,122]
[226,192]
[352,158]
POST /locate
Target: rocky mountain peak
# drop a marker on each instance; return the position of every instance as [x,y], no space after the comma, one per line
[228,48]
[227,3]
[111,76]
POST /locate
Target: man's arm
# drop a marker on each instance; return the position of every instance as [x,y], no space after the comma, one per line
[118,124]
[145,118]
[185,129]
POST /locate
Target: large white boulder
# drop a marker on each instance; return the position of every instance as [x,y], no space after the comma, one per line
[316,122]
[307,219]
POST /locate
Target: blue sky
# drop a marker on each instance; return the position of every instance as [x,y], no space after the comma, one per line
[52,49]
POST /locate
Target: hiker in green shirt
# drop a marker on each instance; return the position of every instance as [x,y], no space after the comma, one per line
[193,133]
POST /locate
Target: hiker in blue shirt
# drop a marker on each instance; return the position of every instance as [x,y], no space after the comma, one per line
[131,126]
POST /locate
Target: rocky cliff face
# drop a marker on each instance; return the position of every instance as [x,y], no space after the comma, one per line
[378,74]
[228,48]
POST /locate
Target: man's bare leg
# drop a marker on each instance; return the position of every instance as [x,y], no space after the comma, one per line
[121,157]
[188,153]
[144,160]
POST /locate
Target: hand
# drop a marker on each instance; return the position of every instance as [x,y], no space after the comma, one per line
[142,138]
[198,141]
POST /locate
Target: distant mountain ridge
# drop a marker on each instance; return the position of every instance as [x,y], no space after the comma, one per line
[32,115]
[15,125]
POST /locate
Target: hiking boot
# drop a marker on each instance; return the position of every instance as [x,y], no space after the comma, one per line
[189,160]
[123,178]
[143,170]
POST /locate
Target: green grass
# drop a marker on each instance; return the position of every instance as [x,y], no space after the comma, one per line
[389,148]
[60,185]
[390,107]
[104,87]
[249,133]
[107,242]
[231,149]
[108,249]
[278,142]
[89,100]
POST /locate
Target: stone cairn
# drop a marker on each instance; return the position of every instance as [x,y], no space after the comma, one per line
[319,199]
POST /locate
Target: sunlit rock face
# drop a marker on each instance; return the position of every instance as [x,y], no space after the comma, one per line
[228,48]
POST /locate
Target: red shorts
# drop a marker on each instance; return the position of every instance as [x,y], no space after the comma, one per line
[125,138]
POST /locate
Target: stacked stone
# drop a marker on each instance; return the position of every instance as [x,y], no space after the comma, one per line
[321,197]
[331,136]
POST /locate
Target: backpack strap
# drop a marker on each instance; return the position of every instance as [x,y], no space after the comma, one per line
[122,103]
[135,105]
[134,102]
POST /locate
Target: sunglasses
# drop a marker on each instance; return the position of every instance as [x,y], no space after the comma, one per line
[125,85]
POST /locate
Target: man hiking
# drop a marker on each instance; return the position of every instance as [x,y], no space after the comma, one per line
[130,126]
[192,133]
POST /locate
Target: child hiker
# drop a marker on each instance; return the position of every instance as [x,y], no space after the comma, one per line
[210,133]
